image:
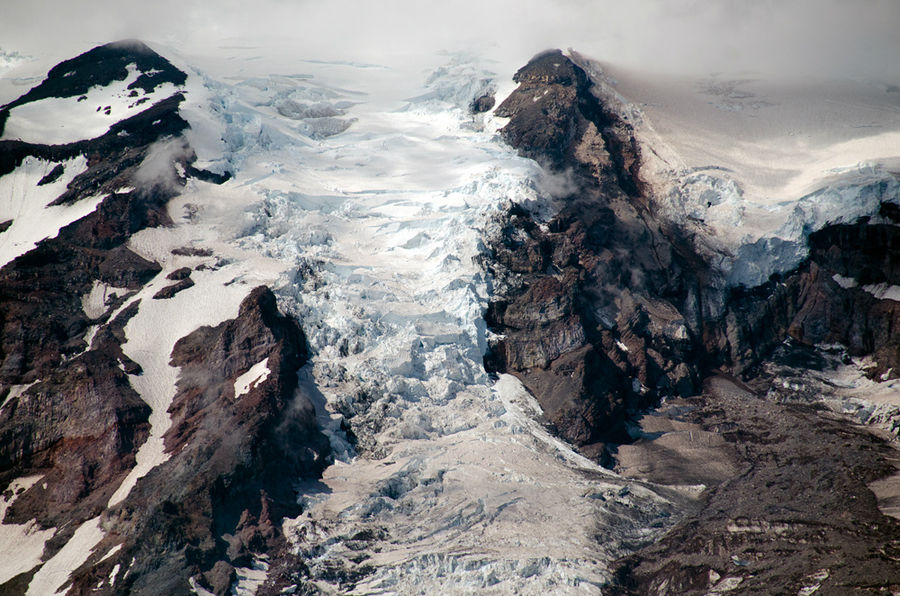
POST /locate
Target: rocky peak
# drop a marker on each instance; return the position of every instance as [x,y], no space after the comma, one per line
[599,309]
[98,68]
[69,411]
[607,307]
[557,120]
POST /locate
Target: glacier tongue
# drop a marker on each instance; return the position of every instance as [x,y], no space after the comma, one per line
[376,194]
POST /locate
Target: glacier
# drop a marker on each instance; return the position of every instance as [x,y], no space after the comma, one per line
[376,199]
[365,195]
[755,163]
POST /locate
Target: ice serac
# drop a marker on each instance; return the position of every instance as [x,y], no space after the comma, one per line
[71,411]
[600,309]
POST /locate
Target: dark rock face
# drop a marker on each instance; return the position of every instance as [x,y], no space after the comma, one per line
[69,412]
[483,103]
[170,291]
[599,309]
[811,307]
[53,175]
[221,497]
[797,514]
[606,308]
[556,119]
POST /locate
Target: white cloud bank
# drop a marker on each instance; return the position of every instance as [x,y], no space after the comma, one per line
[820,37]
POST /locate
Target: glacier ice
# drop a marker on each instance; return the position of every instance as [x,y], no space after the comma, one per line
[378,229]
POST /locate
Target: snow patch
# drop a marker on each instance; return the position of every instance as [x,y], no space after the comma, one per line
[257,373]
[111,552]
[61,120]
[94,303]
[113,575]
[15,391]
[844,386]
[198,589]
[250,579]
[21,545]
[816,579]
[51,577]
[845,282]
[883,291]
[28,205]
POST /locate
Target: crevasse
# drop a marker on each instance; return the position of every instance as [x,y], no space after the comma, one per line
[380,218]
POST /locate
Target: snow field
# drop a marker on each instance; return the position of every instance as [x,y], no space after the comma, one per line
[53,574]
[21,544]
[61,120]
[94,303]
[28,205]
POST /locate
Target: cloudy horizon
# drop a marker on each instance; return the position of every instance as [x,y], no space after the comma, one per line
[817,37]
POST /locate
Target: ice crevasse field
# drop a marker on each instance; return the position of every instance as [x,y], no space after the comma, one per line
[369,193]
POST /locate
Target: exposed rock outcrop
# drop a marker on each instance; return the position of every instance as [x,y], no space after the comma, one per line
[69,413]
[219,500]
[837,296]
[599,310]
[796,516]
[607,307]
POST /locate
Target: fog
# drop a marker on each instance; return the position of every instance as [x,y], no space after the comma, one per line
[818,37]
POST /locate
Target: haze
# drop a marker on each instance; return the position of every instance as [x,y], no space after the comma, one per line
[815,37]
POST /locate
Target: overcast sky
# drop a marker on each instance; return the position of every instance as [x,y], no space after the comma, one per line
[841,37]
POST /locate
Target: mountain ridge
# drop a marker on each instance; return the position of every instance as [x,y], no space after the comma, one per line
[177,416]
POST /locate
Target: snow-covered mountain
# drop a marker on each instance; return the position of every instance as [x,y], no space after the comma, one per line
[281,325]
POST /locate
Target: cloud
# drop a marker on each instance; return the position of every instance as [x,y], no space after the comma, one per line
[159,167]
[824,37]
